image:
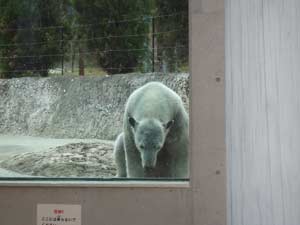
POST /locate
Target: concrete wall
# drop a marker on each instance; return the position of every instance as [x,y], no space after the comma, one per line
[208,120]
[74,107]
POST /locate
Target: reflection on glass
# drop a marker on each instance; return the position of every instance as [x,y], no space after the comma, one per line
[94,89]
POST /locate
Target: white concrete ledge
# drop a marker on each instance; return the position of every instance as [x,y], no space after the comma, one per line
[100,184]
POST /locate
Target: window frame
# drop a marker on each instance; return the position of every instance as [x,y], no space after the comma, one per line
[201,200]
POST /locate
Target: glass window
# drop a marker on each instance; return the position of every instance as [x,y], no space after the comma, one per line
[94,90]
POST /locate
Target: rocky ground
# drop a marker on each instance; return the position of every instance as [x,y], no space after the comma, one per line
[71,160]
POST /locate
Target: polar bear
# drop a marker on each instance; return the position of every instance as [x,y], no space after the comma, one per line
[155,137]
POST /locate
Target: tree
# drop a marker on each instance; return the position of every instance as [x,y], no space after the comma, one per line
[117,32]
[26,47]
[174,16]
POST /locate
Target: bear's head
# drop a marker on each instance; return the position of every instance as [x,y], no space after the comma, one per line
[149,138]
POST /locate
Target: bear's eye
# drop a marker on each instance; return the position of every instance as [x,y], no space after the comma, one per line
[132,121]
[142,146]
[169,124]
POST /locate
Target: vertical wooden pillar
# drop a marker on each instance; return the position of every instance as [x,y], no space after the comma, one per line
[263,111]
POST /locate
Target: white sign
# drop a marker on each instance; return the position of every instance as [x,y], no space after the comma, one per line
[58,214]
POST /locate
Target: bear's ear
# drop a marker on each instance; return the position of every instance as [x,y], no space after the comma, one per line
[169,124]
[132,121]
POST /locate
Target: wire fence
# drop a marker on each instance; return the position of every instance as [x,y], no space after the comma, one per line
[139,19]
[68,57]
[95,38]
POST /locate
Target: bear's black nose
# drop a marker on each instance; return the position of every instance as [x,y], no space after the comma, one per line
[149,171]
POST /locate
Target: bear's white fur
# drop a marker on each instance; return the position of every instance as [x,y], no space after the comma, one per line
[154,141]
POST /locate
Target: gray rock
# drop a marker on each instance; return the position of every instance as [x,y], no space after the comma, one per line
[74,107]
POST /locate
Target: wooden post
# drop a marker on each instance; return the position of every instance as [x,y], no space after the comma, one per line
[154,50]
[72,57]
[62,51]
[263,111]
[81,62]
